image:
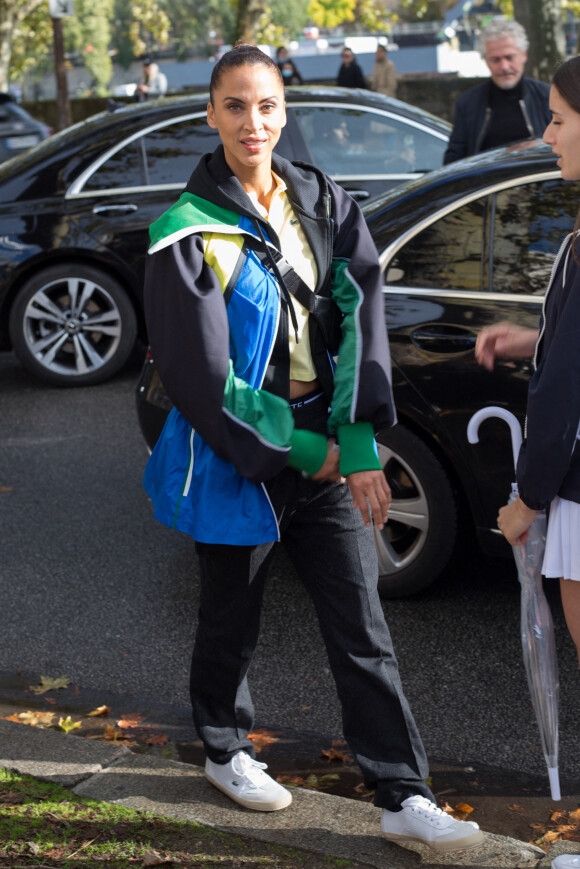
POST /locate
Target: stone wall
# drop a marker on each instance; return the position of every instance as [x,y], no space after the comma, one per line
[435,94]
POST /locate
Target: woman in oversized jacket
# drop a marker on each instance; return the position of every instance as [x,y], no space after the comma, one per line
[258,278]
[548,470]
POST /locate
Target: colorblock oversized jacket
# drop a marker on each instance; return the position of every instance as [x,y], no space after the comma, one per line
[549,459]
[218,328]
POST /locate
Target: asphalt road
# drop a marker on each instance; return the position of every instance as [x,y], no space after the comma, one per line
[93,588]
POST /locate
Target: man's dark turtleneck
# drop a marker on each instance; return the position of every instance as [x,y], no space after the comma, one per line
[507,123]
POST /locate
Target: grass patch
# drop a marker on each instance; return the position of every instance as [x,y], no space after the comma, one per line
[44,825]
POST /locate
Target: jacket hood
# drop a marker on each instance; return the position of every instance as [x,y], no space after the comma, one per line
[212,179]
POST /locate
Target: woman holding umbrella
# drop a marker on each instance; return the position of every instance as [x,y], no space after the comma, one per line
[548,469]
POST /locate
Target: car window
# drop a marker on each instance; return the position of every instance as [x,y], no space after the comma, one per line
[166,155]
[346,141]
[449,254]
[530,222]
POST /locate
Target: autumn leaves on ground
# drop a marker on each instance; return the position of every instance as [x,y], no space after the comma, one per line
[334,772]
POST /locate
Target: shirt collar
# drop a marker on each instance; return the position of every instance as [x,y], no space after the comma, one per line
[278,190]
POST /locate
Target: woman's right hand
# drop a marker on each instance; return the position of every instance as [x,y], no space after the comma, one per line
[514,520]
[504,341]
[330,470]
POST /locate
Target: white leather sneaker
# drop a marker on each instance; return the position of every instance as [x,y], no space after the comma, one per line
[244,780]
[422,821]
[566,861]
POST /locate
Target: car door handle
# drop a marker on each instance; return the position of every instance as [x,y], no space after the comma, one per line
[358,194]
[444,339]
[112,208]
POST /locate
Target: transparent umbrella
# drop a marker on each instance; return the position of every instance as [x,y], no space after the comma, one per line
[537,629]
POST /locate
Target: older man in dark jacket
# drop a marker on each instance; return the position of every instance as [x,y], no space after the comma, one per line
[507,108]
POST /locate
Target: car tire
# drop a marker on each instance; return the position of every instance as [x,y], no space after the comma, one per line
[417,542]
[50,319]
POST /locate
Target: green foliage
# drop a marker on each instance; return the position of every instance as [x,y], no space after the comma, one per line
[32,44]
[88,34]
[424,10]
[149,28]
[331,13]
[372,16]
[284,21]
[121,33]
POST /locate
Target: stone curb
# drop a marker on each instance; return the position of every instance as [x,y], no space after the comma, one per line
[319,823]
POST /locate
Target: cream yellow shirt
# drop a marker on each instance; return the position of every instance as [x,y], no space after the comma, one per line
[296,250]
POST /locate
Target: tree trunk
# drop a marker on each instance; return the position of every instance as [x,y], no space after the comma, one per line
[248,20]
[542,21]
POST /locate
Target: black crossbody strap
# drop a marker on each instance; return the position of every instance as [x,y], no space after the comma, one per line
[284,288]
[324,309]
[236,273]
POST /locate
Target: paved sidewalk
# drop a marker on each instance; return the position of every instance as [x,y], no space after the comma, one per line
[316,822]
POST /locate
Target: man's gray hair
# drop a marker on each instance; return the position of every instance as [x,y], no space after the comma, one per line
[502,28]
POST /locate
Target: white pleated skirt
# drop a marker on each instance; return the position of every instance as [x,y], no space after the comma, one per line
[562,555]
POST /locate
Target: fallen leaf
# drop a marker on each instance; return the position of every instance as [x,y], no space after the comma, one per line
[48,684]
[154,858]
[127,721]
[11,799]
[291,780]
[100,710]
[34,719]
[262,738]
[111,733]
[34,848]
[67,724]
[516,808]
[156,739]
[336,752]
[4,489]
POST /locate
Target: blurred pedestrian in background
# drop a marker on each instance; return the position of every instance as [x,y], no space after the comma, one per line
[384,74]
[287,67]
[350,75]
[153,83]
[507,108]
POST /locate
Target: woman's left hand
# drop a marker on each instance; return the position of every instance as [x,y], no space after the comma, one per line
[371,495]
[514,521]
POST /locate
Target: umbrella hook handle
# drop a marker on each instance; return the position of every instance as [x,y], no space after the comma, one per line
[502,413]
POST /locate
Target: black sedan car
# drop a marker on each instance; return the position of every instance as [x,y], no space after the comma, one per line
[74,211]
[18,129]
[464,247]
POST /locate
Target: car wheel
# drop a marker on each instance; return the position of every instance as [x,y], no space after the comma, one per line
[73,325]
[417,542]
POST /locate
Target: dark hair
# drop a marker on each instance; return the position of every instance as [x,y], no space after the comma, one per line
[566,80]
[242,54]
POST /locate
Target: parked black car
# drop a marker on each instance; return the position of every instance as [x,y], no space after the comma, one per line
[463,247]
[18,129]
[75,211]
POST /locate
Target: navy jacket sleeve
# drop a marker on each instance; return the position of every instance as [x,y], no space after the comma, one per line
[553,413]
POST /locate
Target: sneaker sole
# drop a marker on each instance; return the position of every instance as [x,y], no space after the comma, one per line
[452,845]
[258,806]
